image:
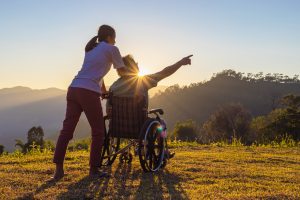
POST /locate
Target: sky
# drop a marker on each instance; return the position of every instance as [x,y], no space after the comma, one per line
[42,42]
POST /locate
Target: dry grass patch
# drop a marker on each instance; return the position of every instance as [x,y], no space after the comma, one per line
[196,172]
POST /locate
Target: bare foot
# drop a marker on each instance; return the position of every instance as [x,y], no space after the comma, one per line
[95,172]
[59,172]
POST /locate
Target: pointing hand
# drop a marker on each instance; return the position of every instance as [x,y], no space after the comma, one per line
[185,60]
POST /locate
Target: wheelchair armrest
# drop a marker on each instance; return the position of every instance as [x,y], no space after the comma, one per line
[157,110]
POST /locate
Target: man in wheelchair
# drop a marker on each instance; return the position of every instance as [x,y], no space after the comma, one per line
[131,85]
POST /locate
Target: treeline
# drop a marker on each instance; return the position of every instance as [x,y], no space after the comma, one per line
[234,122]
[254,108]
[257,93]
[36,143]
[259,77]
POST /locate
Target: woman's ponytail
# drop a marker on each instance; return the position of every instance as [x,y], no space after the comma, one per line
[103,32]
[91,44]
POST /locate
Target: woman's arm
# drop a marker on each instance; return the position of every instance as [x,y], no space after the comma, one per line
[104,92]
[103,88]
[168,71]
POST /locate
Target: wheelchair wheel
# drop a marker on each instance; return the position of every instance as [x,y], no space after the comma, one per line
[151,146]
[110,146]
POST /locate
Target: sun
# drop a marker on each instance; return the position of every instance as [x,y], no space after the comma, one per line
[142,72]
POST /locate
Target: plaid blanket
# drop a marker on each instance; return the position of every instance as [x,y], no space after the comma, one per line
[128,116]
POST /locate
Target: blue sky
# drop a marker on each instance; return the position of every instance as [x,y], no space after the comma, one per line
[42,42]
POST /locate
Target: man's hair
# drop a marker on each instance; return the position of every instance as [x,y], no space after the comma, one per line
[131,64]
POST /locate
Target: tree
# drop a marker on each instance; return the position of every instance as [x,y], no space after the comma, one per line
[228,122]
[34,136]
[280,122]
[186,130]
[21,145]
[229,73]
[289,121]
[265,128]
[172,89]
[1,149]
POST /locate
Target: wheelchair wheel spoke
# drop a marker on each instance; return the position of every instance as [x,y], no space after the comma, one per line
[150,160]
[155,159]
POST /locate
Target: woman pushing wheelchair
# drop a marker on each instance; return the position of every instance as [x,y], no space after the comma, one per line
[87,86]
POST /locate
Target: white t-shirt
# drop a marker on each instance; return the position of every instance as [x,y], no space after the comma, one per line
[97,63]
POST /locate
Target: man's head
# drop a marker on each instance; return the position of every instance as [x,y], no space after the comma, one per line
[131,68]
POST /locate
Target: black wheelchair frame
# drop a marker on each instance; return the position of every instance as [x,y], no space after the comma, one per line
[150,145]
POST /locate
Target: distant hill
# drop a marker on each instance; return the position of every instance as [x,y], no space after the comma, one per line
[16,96]
[22,107]
[154,91]
[257,92]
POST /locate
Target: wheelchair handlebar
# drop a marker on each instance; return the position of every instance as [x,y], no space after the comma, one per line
[105,95]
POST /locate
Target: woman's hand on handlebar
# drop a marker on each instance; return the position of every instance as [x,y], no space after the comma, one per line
[104,95]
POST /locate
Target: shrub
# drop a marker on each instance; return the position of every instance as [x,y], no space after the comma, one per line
[280,123]
[82,144]
[186,131]
[49,145]
[229,122]
[1,149]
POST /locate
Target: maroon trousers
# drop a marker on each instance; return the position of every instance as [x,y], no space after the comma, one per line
[81,100]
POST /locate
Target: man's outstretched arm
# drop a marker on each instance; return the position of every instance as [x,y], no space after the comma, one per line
[168,71]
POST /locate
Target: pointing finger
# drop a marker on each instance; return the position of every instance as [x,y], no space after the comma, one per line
[189,56]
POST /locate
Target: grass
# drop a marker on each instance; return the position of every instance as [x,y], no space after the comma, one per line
[196,172]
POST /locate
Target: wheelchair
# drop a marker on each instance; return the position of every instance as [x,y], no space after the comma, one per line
[131,127]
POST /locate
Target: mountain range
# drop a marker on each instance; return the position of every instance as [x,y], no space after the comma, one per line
[22,108]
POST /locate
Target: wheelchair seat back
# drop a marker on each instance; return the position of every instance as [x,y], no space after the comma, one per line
[128,116]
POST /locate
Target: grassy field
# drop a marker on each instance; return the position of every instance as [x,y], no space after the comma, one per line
[196,172]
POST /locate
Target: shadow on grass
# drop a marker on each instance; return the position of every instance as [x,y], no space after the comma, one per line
[128,183]
[86,188]
[131,183]
[160,185]
[125,183]
[47,184]
[124,176]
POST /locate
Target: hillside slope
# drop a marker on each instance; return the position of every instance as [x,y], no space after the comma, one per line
[198,172]
[199,101]
[23,108]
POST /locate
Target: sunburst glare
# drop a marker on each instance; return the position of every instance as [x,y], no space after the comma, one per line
[143,72]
